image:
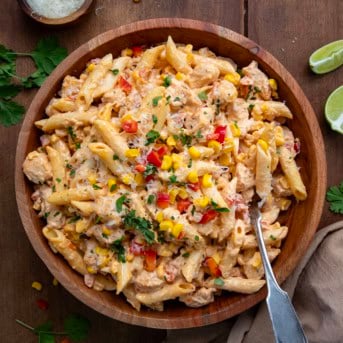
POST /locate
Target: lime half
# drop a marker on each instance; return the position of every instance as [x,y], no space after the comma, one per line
[327,58]
[334,110]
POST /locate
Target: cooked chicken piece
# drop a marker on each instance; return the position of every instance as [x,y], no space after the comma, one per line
[245,177]
[201,297]
[37,167]
[202,75]
[147,281]
[224,91]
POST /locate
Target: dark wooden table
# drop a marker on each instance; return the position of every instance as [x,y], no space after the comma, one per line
[290,30]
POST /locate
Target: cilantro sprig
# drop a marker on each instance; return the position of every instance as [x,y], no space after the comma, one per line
[119,249]
[219,209]
[46,56]
[76,327]
[334,196]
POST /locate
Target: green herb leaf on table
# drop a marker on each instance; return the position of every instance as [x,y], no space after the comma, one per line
[10,113]
[77,327]
[334,196]
[9,91]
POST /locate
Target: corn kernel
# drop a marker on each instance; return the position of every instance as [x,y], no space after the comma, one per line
[264,107]
[90,67]
[177,229]
[166,225]
[101,251]
[177,161]
[279,137]
[111,182]
[166,162]
[273,84]
[127,179]
[256,260]
[183,193]
[139,179]
[91,270]
[172,195]
[263,144]
[127,52]
[216,258]
[229,144]
[37,286]
[201,201]
[160,271]
[189,47]
[194,152]
[190,58]
[81,225]
[233,78]
[179,76]
[171,141]
[106,230]
[216,146]
[91,178]
[236,131]
[225,160]
[129,257]
[193,176]
[241,157]
[207,180]
[126,117]
[132,153]
[159,216]
[55,282]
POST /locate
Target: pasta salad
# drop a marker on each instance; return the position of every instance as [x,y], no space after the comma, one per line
[147,165]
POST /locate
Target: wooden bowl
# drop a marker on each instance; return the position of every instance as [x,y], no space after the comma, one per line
[71,18]
[302,219]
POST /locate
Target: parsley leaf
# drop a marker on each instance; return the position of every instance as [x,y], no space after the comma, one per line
[118,248]
[184,139]
[140,224]
[7,64]
[151,137]
[43,333]
[219,209]
[272,237]
[115,71]
[48,54]
[173,179]
[76,327]
[186,254]
[120,202]
[115,157]
[10,113]
[198,134]
[9,91]
[156,100]
[154,119]
[334,195]
[74,219]
[167,81]
[36,79]
[202,96]
[95,186]
[149,170]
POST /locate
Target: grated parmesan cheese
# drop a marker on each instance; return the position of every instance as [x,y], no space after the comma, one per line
[54,8]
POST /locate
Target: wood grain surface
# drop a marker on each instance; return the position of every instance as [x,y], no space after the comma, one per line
[290,30]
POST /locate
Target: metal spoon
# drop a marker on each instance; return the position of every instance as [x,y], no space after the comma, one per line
[285,322]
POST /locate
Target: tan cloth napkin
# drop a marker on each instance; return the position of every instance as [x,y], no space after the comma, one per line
[316,289]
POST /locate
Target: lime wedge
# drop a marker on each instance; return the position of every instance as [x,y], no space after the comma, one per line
[327,58]
[334,110]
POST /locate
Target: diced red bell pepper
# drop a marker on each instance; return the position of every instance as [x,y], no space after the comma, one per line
[137,51]
[129,126]
[136,248]
[208,216]
[296,147]
[150,260]
[213,267]
[154,158]
[181,235]
[124,84]
[212,136]
[150,178]
[42,304]
[221,132]
[194,186]
[162,200]
[162,151]
[140,168]
[183,204]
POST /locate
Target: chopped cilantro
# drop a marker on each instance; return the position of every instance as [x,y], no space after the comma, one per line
[186,254]
[196,237]
[97,220]
[257,90]
[149,170]
[202,96]
[74,219]
[46,215]
[156,100]
[250,107]
[115,157]
[140,224]
[104,235]
[154,119]
[53,188]
[219,209]
[177,98]
[118,248]
[58,180]
[193,210]
[151,137]
[72,173]
[115,71]
[218,281]
[120,202]
[198,134]
[190,163]
[217,103]
[273,238]
[56,213]
[113,188]
[95,186]
[173,178]
[335,196]
[151,199]
[167,81]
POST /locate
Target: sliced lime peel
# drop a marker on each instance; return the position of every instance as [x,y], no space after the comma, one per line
[327,58]
[334,110]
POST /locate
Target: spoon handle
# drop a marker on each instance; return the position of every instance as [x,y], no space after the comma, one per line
[285,322]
